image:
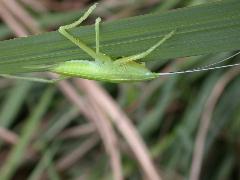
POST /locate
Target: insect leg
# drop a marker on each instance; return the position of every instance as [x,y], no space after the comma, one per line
[145,53]
[81,19]
[33,79]
[98,20]
[101,57]
[77,41]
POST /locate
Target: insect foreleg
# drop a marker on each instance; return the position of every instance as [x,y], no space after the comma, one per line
[145,53]
[98,20]
[81,19]
[100,56]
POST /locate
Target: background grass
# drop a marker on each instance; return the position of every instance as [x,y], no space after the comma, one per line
[41,127]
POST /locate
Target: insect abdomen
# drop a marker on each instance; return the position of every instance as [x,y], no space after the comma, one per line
[104,71]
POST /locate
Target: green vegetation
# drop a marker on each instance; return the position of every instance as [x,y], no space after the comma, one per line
[62,130]
[200,30]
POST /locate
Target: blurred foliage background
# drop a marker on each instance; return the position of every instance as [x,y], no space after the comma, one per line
[176,127]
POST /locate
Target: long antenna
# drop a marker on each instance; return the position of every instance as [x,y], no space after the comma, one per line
[218,62]
[204,68]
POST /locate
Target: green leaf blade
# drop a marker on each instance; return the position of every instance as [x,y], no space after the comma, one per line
[208,28]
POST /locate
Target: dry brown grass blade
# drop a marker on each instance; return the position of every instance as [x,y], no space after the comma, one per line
[8,136]
[4,83]
[104,129]
[123,123]
[205,121]
[10,20]
[109,138]
[36,5]
[73,157]
[64,5]
[16,9]
[76,131]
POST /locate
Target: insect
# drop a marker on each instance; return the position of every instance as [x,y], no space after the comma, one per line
[104,68]
[125,69]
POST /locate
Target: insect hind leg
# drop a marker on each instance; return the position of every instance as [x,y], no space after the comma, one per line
[147,52]
[33,79]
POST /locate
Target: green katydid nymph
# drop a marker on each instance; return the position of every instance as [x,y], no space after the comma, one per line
[104,68]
